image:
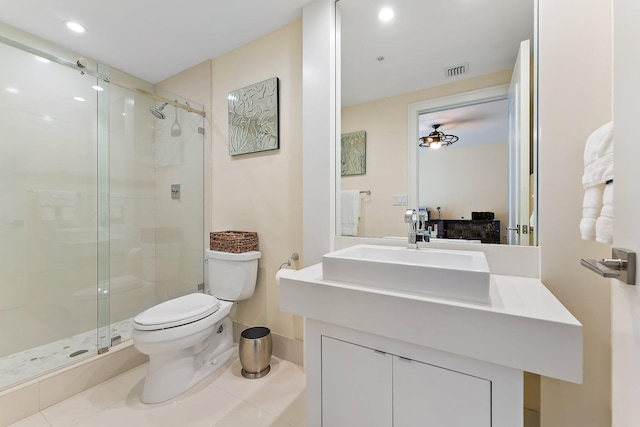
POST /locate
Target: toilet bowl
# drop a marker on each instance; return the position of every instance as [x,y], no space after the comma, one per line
[190,337]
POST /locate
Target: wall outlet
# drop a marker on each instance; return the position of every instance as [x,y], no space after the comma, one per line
[399,200]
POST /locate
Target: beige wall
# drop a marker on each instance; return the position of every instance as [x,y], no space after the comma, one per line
[462,180]
[575,99]
[262,192]
[385,122]
[568,113]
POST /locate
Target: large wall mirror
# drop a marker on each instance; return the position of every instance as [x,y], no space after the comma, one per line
[461,69]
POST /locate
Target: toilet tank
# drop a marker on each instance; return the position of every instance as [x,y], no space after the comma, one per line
[232,277]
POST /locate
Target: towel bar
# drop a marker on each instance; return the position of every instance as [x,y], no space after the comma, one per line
[621,265]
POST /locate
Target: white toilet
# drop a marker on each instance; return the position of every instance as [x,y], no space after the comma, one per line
[190,337]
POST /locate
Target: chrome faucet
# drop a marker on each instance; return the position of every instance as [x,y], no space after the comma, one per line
[411,218]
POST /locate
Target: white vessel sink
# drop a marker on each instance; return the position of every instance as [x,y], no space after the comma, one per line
[451,274]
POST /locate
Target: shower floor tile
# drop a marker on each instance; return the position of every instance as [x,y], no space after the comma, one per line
[28,364]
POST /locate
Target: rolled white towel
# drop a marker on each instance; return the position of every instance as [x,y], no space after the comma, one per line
[604,230]
[598,156]
[604,223]
[597,217]
[591,208]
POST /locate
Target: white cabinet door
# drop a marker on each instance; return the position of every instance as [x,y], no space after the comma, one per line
[356,385]
[426,395]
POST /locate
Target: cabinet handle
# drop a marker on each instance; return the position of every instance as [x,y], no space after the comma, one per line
[380,353]
[405,359]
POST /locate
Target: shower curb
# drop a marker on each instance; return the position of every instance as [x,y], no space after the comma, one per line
[32,396]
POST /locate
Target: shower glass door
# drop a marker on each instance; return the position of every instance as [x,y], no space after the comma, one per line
[103,210]
[156,207]
[48,217]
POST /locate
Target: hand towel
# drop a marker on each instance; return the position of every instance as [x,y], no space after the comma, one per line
[350,212]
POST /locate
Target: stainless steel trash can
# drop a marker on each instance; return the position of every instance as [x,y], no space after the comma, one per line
[255,349]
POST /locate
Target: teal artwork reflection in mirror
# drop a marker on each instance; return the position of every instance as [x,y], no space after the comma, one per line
[354,153]
[253,118]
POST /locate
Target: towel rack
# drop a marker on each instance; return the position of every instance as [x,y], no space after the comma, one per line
[367,192]
[621,265]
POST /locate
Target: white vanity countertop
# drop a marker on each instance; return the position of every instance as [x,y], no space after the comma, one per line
[524,327]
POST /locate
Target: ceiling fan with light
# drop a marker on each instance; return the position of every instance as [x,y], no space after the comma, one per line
[436,139]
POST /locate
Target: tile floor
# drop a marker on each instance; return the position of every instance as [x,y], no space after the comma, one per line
[225,399]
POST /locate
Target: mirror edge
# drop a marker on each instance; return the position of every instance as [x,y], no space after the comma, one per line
[335,185]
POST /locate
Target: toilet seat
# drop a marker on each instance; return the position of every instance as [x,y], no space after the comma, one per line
[176,312]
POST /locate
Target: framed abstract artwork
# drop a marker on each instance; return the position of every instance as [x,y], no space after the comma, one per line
[253,118]
[354,153]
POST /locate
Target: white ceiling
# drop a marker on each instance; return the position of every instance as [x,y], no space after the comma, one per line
[423,38]
[155,39]
[478,124]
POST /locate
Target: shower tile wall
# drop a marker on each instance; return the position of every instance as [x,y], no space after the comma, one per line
[180,235]
[156,241]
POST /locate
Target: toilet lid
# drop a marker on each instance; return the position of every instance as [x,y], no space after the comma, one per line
[176,312]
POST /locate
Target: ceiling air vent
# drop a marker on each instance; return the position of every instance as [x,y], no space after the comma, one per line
[456,70]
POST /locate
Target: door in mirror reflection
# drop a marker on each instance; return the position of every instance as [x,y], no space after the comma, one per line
[520,194]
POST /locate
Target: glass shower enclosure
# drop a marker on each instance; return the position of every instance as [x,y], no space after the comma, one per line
[102,211]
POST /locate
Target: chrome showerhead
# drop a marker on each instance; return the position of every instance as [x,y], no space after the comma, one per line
[157,111]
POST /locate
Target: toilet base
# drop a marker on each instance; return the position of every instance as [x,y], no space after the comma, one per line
[171,374]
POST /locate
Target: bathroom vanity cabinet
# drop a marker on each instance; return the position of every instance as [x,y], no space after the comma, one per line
[369,387]
[377,357]
[361,379]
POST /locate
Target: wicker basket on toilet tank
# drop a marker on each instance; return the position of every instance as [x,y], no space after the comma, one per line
[233,241]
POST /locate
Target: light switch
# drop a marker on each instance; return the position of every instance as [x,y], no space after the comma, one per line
[399,200]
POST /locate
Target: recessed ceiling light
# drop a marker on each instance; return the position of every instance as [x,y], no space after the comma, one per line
[386,14]
[79,98]
[12,90]
[75,27]
[98,88]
